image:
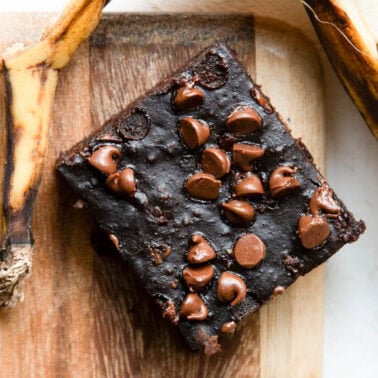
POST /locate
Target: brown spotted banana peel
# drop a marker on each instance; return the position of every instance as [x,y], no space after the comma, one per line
[30,77]
[352,51]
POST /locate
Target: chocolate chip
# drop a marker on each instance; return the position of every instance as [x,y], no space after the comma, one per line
[261,99]
[323,200]
[198,277]
[188,98]
[248,186]
[169,312]
[228,327]
[106,159]
[193,307]
[201,251]
[215,162]
[159,252]
[313,230]
[281,181]
[244,120]
[114,240]
[238,212]
[249,251]
[122,182]
[193,132]
[244,154]
[212,71]
[278,290]
[134,126]
[231,288]
[203,186]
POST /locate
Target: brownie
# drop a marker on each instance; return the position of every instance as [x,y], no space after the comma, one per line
[205,193]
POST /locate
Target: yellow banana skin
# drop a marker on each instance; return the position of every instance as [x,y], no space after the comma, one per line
[351,51]
[31,76]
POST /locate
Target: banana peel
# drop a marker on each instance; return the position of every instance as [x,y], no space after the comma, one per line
[352,51]
[31,76]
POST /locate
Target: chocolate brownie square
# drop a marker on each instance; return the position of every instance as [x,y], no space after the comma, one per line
[206,194]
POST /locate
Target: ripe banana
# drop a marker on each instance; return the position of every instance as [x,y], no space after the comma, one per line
[30,77]
[351,49]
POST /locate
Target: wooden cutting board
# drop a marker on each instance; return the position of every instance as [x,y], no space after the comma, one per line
[84,313]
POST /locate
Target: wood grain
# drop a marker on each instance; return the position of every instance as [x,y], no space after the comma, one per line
[85,314]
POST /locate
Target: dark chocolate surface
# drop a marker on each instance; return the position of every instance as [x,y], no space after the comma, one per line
[154,226]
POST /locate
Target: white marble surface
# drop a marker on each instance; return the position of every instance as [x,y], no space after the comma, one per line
[351,300]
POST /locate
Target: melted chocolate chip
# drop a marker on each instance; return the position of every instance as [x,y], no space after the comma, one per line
[122,182]
[198,277]
[203,186]
[135,126]
[231,288]
[188,98]
[228,327]
[313,230]
[215,162]
[169,312]
[159,252]
[239,213]
[212,71]
[249,186]
[282,182]
[243,121]
[249,251]
[106,159]
[244,154]
[193,307]
[323,200]
[193,132]
[201,251]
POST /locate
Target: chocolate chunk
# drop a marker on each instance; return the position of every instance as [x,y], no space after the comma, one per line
[188,98]
[193,307]
[106,159]
[313,230]
[215,162]
[244,154]
[203,186]
[193,132]
[212,71]
[249,251]
[323,200]
[134,126]
[231,288]
[198,277]
[201,251]
[228,327]
[244,120]
[238,212]
[122,182]
[282,182]
[248,186]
